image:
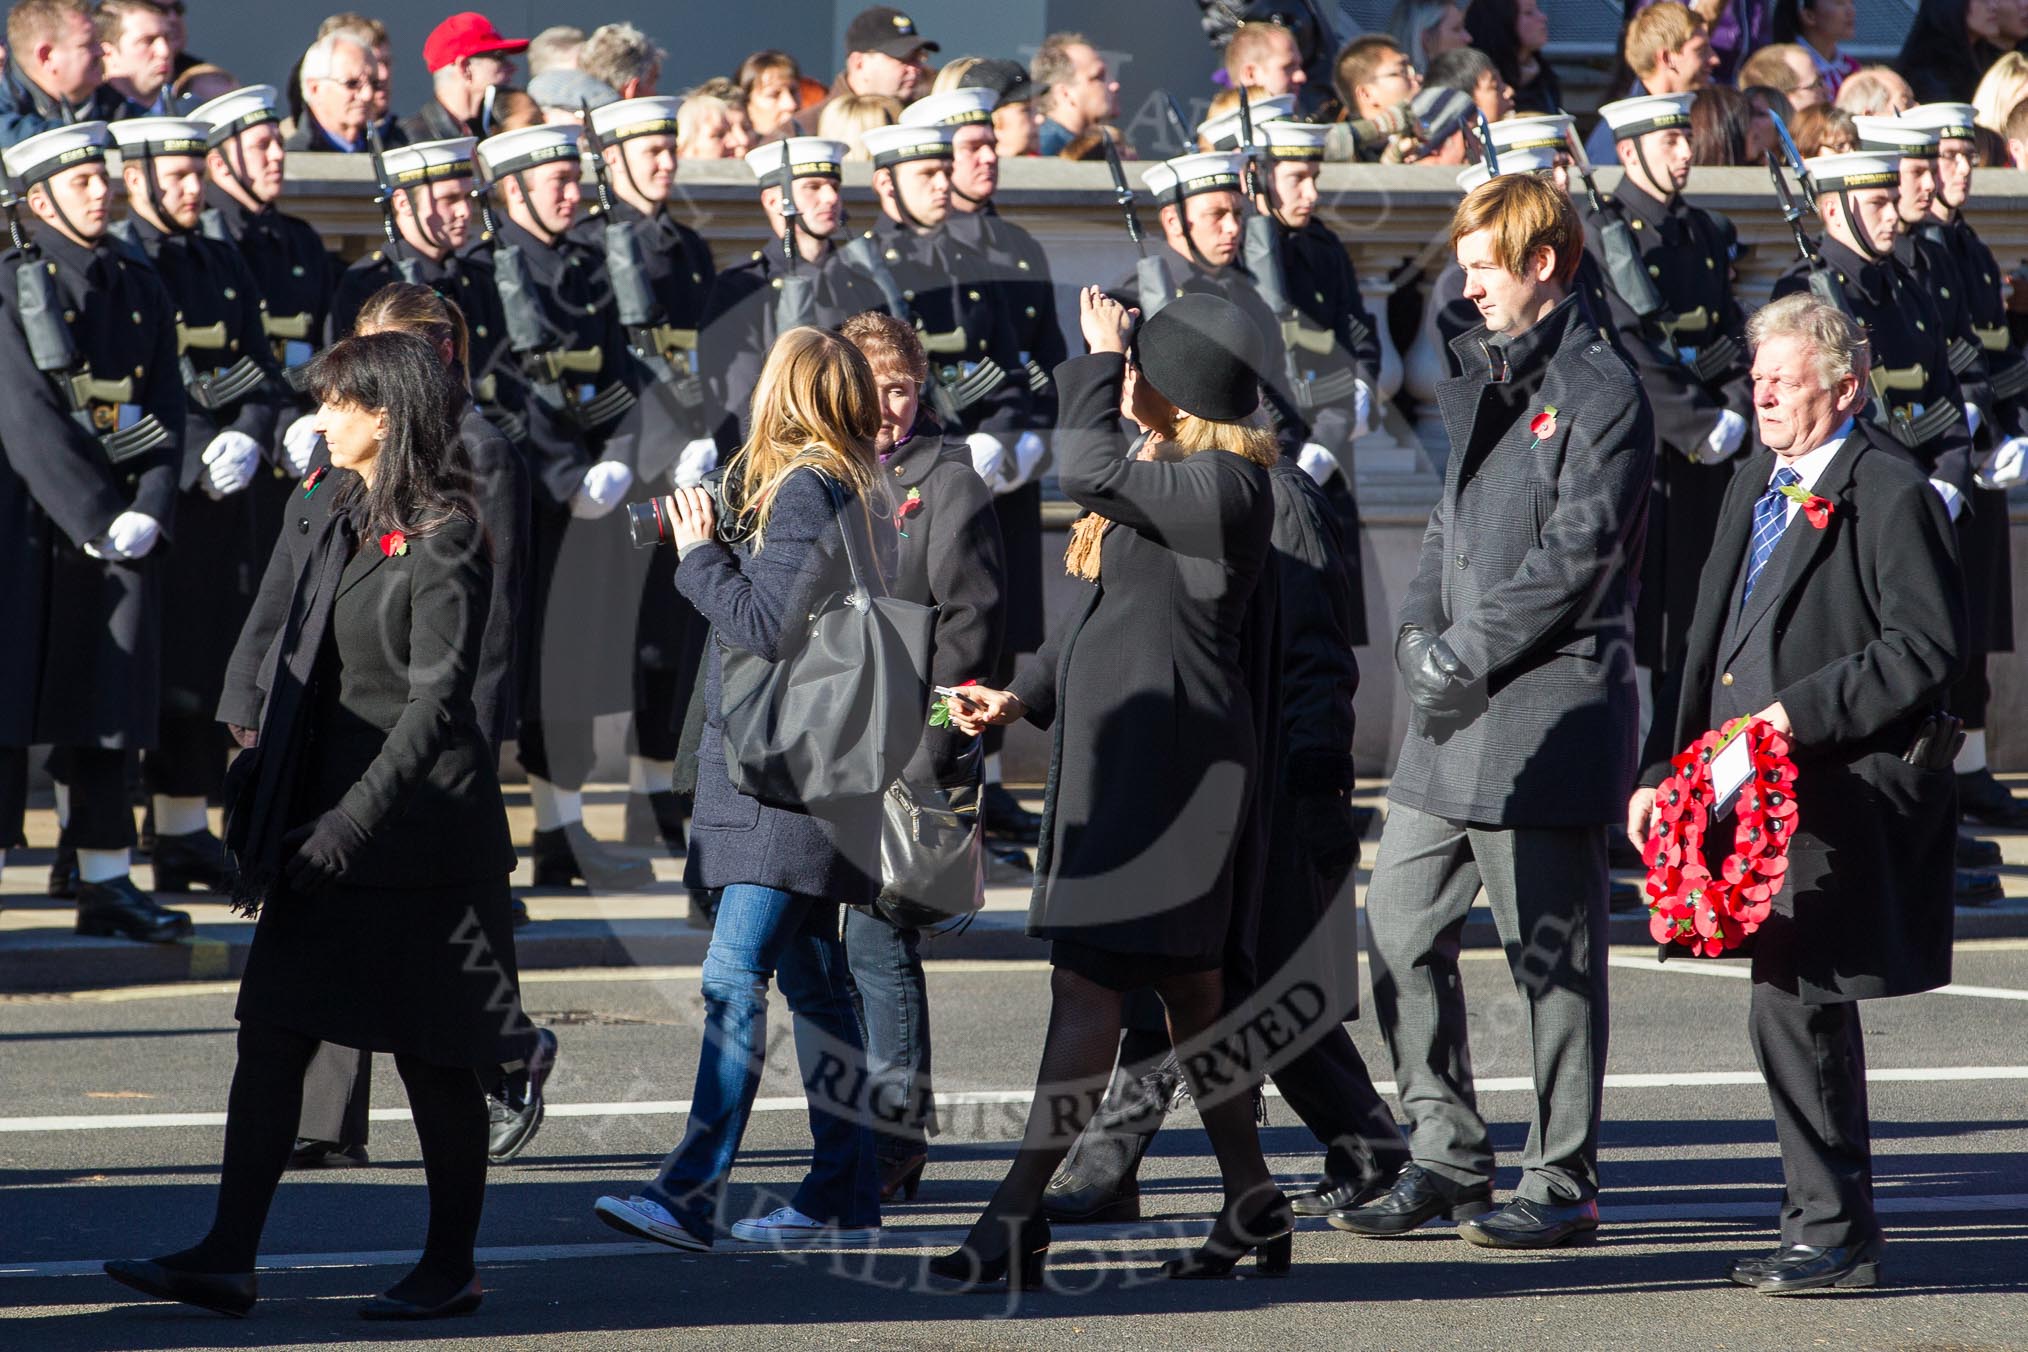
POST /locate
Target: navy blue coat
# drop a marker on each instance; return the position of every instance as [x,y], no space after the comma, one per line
[759,601]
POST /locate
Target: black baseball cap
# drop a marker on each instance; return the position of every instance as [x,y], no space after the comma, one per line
[885,29]
[1007,79]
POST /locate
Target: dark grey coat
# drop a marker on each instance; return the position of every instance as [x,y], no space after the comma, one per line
[1859,630]
[760,601]
[1152,829]
[1529,569]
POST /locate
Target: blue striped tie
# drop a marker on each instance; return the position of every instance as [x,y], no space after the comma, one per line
[1770,519]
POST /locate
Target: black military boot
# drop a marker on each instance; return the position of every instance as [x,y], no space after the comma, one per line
[657,819]
[1099,1180]
[568,853]
[117,907]
[198,858]
[63,872]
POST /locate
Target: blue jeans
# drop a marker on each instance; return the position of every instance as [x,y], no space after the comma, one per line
[893,1004]
[763,933]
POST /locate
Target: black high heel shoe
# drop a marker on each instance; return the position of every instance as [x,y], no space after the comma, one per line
[1021,1266]
[901,1178]
[1270,1229]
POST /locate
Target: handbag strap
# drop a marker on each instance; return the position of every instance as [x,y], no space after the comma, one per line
[861,569]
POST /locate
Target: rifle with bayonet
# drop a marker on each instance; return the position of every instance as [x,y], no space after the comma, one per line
[1623,265]
[405,267]
[1151,271]
[1261,251]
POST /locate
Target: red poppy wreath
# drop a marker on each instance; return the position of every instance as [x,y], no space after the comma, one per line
[1686,904]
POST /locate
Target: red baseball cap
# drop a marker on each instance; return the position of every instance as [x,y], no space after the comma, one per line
[463,35]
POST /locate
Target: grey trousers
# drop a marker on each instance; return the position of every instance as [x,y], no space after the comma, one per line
[1814,1060]
[1547,889]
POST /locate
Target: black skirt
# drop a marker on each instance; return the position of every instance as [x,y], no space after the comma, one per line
[1127,971]
[428,973]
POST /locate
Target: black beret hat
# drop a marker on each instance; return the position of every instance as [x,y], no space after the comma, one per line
[1008,79]
[1203,355]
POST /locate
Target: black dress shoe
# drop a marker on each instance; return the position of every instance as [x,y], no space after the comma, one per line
[656,821]
[568,853]
[1973,888]
[1625,898]
[513,1120]
[197,858]
[1748,1271]
[703,912]
[1978,852]
[1982,798]
[63,874]
[1338,1194]
[117,907]
[1525,1224]
[517,912]
[1005,819]
[229,1293]
[1416,1198]
[1008,865]
[313,1154]
[1808,1268]
[388,1307]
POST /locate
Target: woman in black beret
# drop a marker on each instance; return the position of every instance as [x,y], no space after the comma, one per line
[1158,693]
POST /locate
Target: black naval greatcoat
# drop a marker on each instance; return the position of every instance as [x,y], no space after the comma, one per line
[210,570]
[741,327]
[1692,359]
[467,281]
[1018,267]
[81,665]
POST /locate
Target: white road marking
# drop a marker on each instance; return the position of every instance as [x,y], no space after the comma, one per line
[1084,1243]
[1706,967]
[796,1103]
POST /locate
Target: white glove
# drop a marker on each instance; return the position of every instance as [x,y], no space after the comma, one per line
[299,443]
[2006,466]
[1949,493]
[131,536]
[229,463]
[604,485]
[1029,448]
[991,461]
[1362,408]
[1318,463]
[1975,416]
[693,462]
[1725,439]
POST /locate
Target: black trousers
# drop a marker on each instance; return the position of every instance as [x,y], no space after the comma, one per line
[1973,692]
[101,815]
[13,796]
[188,758]
[1814,1060]
[559,750]
[336,1090]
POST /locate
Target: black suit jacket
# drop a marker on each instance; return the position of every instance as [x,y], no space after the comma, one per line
[1859,630]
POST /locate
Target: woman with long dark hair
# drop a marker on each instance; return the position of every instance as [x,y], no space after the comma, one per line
[1721,126]
[1158,694]
[369,832]
[784,873]
[1948,47]
[1513,33]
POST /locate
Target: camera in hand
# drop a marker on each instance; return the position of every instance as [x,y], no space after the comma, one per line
[653,522]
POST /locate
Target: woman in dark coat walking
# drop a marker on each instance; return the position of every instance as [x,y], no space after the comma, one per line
[783,872]
[1153,820]
[949,556]
[369,832]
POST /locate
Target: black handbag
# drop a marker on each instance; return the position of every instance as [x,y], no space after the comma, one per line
[840,716]
[932,853]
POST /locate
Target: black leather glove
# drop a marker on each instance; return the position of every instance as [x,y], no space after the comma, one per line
[323,852]
[1325,824]
[1437,682]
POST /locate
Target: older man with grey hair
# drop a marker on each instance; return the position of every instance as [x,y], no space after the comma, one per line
[624,57]
[340,77]
[1833,610]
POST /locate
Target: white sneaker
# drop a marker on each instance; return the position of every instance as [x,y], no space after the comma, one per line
[786,1225]
[646,1219]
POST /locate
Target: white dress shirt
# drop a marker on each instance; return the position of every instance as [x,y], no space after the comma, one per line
[1810,466]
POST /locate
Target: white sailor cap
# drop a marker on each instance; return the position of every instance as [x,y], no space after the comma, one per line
[1528,160]
[1224,131]
[148,136]
[412,166]
[230,114]
[1950,121]
[953,108]
[1547,130]
[1897,135]
[802,156]
[1856,169]
[47,154]
[1290,140]
[1189,175]
[526,147]
[1649,112]
[892,145]
[626,118]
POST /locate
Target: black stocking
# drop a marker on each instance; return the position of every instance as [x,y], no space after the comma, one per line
[1224,1095]
[450,1122]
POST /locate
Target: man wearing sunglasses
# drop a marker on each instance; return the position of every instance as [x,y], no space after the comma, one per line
[339,80]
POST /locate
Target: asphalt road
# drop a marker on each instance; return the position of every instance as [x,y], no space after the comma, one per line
[1689,1166]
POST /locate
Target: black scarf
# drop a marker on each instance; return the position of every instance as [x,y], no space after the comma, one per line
[264,778]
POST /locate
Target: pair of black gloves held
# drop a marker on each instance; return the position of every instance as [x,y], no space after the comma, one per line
[322,852]
[1438,683]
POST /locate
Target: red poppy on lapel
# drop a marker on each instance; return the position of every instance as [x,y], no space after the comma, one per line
[315,477]
[393,543]
[1817,509]
[1543,425]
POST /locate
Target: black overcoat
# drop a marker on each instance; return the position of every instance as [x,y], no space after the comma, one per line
[1151,835]
[1529,569]
[79,664]
[1866,635]
[412,950]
